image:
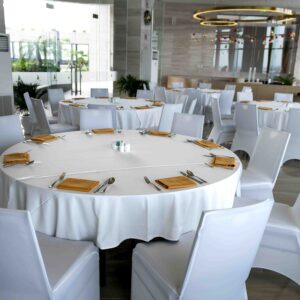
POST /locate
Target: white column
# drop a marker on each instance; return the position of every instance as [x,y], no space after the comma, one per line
[2,23]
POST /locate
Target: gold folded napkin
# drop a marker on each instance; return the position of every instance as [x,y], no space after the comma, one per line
[67,101]
[16,158]
[44,138]
[245,101]
[142,107]
[79,98]
[284,101]
[103,130]
[224,161]
[157,103]
[80,185]
[76,104]
[177,182]
[207,144]
[158,133]
[265,108]
[101,97]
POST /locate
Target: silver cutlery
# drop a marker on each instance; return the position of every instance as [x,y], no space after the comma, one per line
[60,178]
[171,135]
[88,132]
[14,164]
[143,132]
[32,142]
[191,177]
[101,186]
[147,180]
[61,137]
[189,172]
[110,181]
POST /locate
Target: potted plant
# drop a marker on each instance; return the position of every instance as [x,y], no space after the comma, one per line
[130,85]
[19,89]
[285,79]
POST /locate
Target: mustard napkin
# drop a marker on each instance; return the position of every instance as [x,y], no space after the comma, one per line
[265,108]
[224,161]
[207,144]
[79,98]
[80,185]
[16,158]
[158,133]
[101,97]
[67,101]
[177,182]
[43,138]
[245,101]
[142,107]
[76,104]
[103,130]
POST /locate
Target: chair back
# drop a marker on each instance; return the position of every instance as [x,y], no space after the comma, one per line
[54,97]
[217,120]
[247,89]
[284,97]
[96,118]
[41,117]
[223,252]
[225,102]
[244,96]
[192,94]
[112,108]
[268,153]
[181,99]
[203,85]
[186,124]
[166,119]
[294,122]
[230,87]
[27,98]
[10,131]
[177,85]
[23,274]
[145,94]
[246,118]
[192,107]
[160,93]
[95,92]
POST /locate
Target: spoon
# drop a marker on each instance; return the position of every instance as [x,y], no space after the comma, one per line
[88,132]
[26,164]
[189,172]
[110,180]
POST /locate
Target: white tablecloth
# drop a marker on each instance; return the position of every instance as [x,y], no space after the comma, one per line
[127,118]
[130,208]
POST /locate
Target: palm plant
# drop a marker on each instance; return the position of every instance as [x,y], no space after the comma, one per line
[130,85]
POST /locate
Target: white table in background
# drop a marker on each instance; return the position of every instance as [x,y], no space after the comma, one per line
[130,208]
[127,117]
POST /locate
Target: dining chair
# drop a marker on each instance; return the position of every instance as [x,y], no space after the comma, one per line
[279,249]
[230,87]
[97,92]
[35,266]
[293,148]
[212,263]
[288,97]
[177,85]
[145,94]
[247,89]
[258,179]
[145,87]
[166,119]
[54,97]
[160,93]
[247,130]
[112,108]
[203,86]
[181,99]
[44,127]
[187,124]
[244,96]
[223,130]
[192,107]
[96,118]
[192,94]
[10,131]
[225,102]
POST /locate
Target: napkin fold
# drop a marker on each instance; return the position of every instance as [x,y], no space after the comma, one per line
[76,104]
[79,98]
[224,161]
[142,107]
[80,185]
[42,138]
[158,133]
[245,101]
[103,130]
[67,101]
[265,108]
[177,182]
[207,144]
[16,158]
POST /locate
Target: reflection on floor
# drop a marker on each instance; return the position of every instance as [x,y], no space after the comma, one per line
[261,285]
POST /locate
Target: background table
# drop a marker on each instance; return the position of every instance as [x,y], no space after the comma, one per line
[130,208]
[127,118]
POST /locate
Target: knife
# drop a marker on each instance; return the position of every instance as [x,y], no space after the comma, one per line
[191,177]
[60,178]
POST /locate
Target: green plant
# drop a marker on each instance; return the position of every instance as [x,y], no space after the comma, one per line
[130,85]
[285,79]
[20,88]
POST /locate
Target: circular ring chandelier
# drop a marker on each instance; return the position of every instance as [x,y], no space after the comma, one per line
[235,15]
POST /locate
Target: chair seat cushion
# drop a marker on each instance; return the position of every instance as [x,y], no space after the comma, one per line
[251,180]
[52,120]
[167,260]
[57,128]
[228,125]
[227,117]
[62,257]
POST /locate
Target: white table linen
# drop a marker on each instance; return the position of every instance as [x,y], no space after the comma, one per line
[130,208]
[127,118]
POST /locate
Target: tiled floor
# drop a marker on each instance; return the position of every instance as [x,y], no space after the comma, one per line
[261,285]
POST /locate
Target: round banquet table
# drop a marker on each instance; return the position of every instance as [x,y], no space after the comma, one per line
[276,118]
[130,208]
[127,117]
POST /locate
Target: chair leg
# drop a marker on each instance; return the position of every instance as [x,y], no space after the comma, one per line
[102,262]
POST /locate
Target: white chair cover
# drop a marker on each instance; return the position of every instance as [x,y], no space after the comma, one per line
[160,93]
[145,94]
[54,97]
[212,263]
[112,108]
[247,130]
[203,85]
[192,107]
[230,87]
[95,92]
[95,118]
[283,97]
[43,268]
[10,131]
[244,96]
[192,94]
[187,124]
[166,120]
[177,85]
[225,102]
[247,89]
